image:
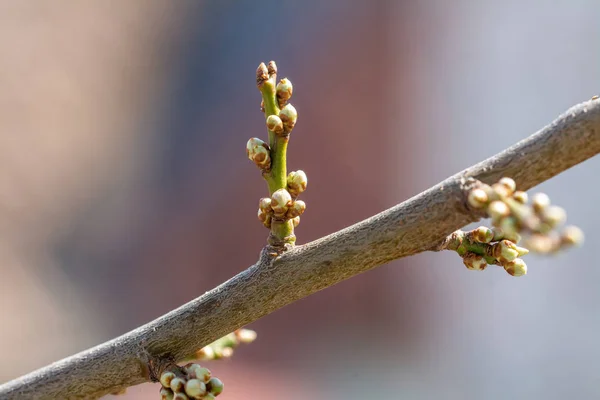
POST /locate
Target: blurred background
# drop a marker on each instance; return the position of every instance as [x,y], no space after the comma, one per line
[123,128]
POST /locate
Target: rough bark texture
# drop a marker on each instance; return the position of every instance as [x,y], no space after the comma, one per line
[416,225]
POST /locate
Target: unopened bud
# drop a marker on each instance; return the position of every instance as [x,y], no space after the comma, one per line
[509,184]
[265,218]
[264,205]
[177,385]
[195,388]
[540,201]
[542,243]
[274,124]
[281,201]
[272,69]
[297,209]
[481,235]
[501,191]
[477,198]
[284,91]
[215,386]
[207,352]
[572,236]
[196,371]
[258,151]
[520,197]
[498,210]
[289,116]
[296,221]
[166,378]
[245,335]
[262,74]
[180,396]
[516,267]
[474,262]
[297,182]
[505,251]
[166,394]
[554,215]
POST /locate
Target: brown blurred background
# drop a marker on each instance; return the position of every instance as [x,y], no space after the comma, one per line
[123,126]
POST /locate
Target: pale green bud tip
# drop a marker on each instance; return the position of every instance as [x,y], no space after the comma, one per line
[540,201]
[195,388]
[297,182]
[572,236]
[180,396]
[474,262]
[177,385]
[166,394]
[166,378]
[215,386]
[520,197]
[478,198]
[274,124]
[296,221]
[498,209]
[245,335]
[258,151]
[289,116]
[509,184]
[281,200]
[516,267]
[505,250]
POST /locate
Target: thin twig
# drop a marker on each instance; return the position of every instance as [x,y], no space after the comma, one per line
[419,224]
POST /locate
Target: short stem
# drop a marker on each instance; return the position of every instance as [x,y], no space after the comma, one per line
[277,177]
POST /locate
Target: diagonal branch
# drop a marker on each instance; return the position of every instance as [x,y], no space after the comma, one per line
[416,225]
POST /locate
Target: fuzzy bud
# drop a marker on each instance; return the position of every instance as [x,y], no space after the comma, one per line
[284,91]
[478,198]
[474,262]
[195,388]
[166,394]
[177,385]
[520,197]
[272,69]
[509,184]
[215,386]
[274,124]
[166,378]
[572,236]
[281,201]
[258,151]
[180,396]
[265,218]
[516,267]
[498,210]
[289,116]
[262,74]
[297,182]
[296,210]
[540,201]
[296,221]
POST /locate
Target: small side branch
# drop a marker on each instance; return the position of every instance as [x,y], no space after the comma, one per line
[419,224]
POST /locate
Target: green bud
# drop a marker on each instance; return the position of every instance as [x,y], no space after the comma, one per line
[297,182]
[284,91]
[195,388]
[215,386]
[481,235]
[474,262]
[166,394]
[264,205]
[195,371]
[498,210]
[180,396]
[258,151]
[297,209]
[509,184]
[520,197]
[177,385]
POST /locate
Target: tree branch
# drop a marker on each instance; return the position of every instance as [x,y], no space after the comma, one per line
[416,225]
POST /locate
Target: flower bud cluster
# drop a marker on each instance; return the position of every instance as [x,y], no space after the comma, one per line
[513,214]
[190,382]
[282,207]
[225,346]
